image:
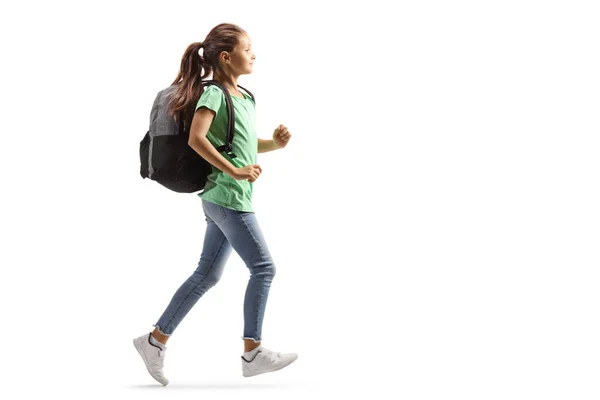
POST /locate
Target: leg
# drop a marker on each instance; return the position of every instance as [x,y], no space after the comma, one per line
[243,232]
[215,252]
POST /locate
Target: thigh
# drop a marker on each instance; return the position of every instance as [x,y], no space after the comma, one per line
[243,233]
[216,246]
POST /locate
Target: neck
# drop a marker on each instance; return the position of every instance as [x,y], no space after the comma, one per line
[229,81]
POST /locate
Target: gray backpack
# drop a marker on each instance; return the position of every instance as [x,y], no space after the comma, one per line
[165,155]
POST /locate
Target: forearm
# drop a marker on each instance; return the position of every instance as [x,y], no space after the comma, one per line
[266,145]
[203,147]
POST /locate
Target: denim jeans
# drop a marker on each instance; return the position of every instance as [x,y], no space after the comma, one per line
[226,229]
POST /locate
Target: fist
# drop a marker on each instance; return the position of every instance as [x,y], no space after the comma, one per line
[281,136]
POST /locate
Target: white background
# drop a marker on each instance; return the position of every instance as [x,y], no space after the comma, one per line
[434,220]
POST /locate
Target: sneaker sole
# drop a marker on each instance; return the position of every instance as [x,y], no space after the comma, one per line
[141,353]
[249,374]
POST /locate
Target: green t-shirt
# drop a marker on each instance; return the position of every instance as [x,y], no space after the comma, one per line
[221,188]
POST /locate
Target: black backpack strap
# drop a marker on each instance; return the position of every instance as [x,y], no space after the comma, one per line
[249,93]
[227,147]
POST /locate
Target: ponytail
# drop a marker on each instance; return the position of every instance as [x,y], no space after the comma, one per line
[188,84]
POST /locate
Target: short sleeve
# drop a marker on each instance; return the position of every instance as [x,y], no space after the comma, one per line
[212,98]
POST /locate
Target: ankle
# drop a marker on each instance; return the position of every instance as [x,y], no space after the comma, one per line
[159,336]
[250,345]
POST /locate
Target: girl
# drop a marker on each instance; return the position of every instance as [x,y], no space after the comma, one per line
[227,196]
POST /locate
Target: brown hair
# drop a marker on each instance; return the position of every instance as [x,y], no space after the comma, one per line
[194,68]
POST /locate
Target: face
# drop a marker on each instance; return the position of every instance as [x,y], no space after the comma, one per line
[242,57]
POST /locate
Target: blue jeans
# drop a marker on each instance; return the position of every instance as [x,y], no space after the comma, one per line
[226,229]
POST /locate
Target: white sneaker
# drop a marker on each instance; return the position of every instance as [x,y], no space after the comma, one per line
[266,360]
[153,357]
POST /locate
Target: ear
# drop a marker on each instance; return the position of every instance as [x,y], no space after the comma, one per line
[224,57]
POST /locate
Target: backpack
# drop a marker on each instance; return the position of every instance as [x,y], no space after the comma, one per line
[165,155]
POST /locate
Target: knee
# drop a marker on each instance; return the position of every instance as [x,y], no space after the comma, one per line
[265,269]
[211,280]
[208,279]
[272,270]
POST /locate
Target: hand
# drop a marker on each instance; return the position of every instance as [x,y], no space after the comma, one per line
[249,172]
[281,136]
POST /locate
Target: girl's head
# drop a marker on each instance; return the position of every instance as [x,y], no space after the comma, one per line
[226,51]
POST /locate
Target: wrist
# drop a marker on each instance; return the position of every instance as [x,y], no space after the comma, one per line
[230,170]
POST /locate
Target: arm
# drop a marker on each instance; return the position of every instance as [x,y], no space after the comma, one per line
[281,136]
[265,145]
[203,117]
